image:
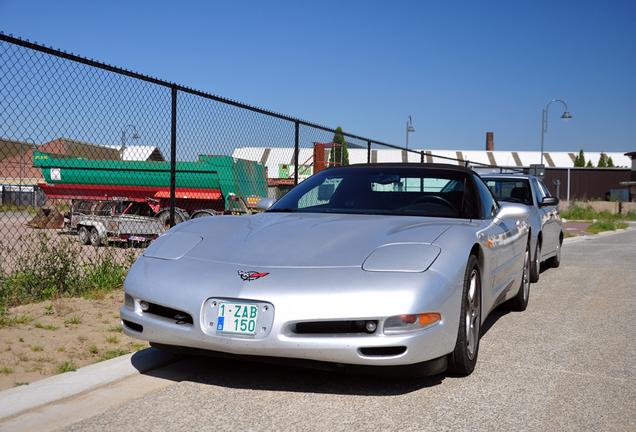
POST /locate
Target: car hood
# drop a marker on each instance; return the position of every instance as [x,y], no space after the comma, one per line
[295,239]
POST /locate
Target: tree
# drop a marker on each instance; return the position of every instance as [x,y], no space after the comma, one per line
[579,161]
[336,155]
[601,161]
[610,163]
[589,164]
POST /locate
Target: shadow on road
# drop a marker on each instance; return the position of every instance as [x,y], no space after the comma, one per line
[238,374]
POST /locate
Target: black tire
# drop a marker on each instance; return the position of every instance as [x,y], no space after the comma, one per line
[463,359]
[94,237]
[84,236]
[555,261]
[519,303]
[535,268]
[202,213]
[164,217]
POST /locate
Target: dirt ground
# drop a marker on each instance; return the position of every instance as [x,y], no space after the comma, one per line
[59,336]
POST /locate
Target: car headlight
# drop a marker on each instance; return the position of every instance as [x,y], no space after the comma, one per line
[410,323]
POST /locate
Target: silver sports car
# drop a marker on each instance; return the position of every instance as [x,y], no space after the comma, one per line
[388,268]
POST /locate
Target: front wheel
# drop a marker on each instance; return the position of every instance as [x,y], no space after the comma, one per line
[555,261]
[463,359]
[519,302]
[536,263]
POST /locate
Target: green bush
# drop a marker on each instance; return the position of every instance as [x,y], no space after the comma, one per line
[45,269]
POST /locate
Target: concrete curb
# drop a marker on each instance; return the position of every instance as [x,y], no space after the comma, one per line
[28,397]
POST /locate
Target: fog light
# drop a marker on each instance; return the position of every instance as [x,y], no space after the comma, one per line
[144,306]
[371,326]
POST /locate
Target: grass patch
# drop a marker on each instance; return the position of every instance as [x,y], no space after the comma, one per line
[66,367]
[44,269]
[9,321]
[5,370]
[605,225]
[93,349]
[589,213]
[110,354]
[115,329]
[112,339]
[73,320]
[36,348]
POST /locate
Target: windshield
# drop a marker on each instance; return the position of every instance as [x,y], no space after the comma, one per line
[384,191]
[510,190]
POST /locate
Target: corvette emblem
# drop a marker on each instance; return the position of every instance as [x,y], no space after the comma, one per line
[250,276]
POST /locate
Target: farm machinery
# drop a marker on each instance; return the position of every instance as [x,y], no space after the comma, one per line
[130,200]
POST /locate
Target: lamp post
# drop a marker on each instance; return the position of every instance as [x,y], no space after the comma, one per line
[409,129]
[123,139]
[544,121]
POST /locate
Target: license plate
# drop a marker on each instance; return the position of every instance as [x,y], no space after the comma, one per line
[134,238]
[237,318]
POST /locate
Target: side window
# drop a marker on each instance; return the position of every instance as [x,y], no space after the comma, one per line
[488,202]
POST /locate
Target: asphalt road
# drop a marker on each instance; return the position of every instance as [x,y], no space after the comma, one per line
[566,364]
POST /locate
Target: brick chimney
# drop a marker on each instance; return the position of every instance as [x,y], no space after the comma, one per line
[490,146]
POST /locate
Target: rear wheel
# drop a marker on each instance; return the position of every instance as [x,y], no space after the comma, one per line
[164,217]
[536,263]
[520,301]
[84,236]
[463,359]
[95,239]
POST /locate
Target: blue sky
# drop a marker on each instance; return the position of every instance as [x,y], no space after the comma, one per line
[460,69]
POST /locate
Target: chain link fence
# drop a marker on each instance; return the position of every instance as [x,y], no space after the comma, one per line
[95,157]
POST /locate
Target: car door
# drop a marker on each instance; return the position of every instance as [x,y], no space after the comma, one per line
[547,215]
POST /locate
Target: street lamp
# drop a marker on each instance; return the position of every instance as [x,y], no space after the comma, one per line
[409,129]
[544,125]
[123,139]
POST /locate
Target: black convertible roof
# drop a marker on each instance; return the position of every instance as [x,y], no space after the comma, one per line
[414,166]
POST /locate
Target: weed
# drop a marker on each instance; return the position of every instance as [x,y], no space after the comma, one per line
[21,340]
[66,367]
[600,226]
[23,357]
[93,349]
[50,327]
[73,320]
[138,346]
[9,342]
[49,309]
[7,321]
[18,384]
[5,370]
[61,349]
[38,325]
[36,368]
[115,329]
[36,348]
[44,360]
[110,354]
[112,339]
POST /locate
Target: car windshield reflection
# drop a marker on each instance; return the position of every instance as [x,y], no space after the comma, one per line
[384,191]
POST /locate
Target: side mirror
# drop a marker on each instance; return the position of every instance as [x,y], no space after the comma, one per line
[265,203]
[549,202]
[511,211]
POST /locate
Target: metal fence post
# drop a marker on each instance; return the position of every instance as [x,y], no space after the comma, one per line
[369,151]
[173,155]
[296,154]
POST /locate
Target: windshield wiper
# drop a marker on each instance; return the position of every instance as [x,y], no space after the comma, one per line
[283,210]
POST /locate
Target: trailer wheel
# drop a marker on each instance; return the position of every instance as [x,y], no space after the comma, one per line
[84,236]
[95,239]
[203,213]
[164,217]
